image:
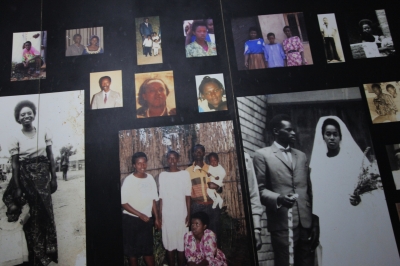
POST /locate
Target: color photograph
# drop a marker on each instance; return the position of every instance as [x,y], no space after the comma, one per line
[269,41]
[369,34]
[155,94]
[331,38]
[318,182]
[382,100]
[84,41]
[179,179]
[148,41]
[106,89]
[211,93]
[42,160]
[29,55]
[199,38]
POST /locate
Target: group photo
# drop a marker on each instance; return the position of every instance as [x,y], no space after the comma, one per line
[148,40]
[86,41]
[42,190]
[181,197]
[269,41]
[332,191]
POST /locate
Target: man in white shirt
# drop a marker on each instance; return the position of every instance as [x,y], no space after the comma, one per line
[107,98]
[328,33]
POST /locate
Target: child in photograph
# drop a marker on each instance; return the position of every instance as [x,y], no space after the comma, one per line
[254,51]
[384,104]
[217,174]
[273,52]
[147,44]
[156,43]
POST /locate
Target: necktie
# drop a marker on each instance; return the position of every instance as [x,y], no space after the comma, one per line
[287,150]
[105,98]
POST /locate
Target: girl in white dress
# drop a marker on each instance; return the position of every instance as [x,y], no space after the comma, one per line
[175,190]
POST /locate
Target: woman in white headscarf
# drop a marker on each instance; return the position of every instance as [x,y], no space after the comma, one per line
[354,230]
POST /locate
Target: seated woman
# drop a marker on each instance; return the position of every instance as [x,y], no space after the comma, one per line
[138,200]
[201,243]
[153,99]
[93,47]
[200,47]
[385,45]
[31,60]
[211,92]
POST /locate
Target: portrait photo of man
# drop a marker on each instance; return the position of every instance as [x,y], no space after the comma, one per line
[330,35]
[106,98]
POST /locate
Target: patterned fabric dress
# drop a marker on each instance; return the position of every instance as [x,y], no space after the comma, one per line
[205,249]
[293,47]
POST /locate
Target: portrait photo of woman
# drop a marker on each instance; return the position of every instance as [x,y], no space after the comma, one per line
[155,94]
[211,93]
[199,38]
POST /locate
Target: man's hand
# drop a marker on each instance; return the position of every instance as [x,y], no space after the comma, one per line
[144,217]
[355,200]
[53,185]
[287,201]
[258,240]
[158,224]
[314,237]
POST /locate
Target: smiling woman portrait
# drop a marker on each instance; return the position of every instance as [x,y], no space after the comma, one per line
[211,95]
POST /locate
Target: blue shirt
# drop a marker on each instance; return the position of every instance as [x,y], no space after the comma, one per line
[254,46]
[274,55]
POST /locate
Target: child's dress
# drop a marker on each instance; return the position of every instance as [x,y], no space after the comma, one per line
[274,55]
[255,50]
[220,172]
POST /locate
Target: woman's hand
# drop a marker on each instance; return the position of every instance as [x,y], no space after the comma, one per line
[53,185]
[187,220]
[157,224]
[17,194]
[144,217]
[355,200]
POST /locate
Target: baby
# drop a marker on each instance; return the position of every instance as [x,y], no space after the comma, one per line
[217,174]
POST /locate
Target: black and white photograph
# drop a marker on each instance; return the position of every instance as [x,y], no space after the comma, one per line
[148,40]
[331,38]
[28,55]
[393,153]
[199,38]
[42,160]
[269,41]
[369,34]
[155,94]
[106,89]
[171,173]
[382,100]
[86,41]
[333,192]
[211,93]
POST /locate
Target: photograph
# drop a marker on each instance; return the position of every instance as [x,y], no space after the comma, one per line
[42,189]
[382,100]
[211,93]
[106,89]
[155,94]
[331,38]
[199,38]
[268,41]
[28,60]
[316,172]
[148,40]
[84,41]
[369,34]
[204,207]
[393,153]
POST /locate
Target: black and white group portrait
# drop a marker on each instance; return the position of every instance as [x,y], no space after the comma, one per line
[42,208]
[369,34]
[393,153]
[383,102]
[317,178]
[184,181]
[331,38]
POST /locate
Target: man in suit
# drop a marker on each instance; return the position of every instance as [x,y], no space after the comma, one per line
[145,29]
[283,178]
[107,98]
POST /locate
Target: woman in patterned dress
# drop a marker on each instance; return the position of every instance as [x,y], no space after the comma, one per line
[201,243]
[293,48]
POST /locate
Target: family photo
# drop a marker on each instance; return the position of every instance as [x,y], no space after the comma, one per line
[393,153]
[42,189]
[181,196]
[155,94]
[369,35]
[29,55]
[199,38]
[317,178]
[211,93]
[268,41]
[148,40]
[106,89]
[382,100]
[86,41]
[331,38]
